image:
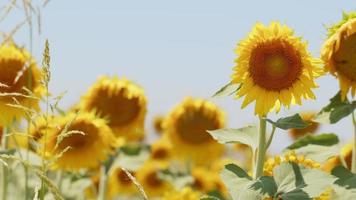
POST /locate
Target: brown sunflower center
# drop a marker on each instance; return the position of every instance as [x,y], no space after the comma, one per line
[193,127]
[79,141]
[160,153]
[345,57]
[153,180]
[14,77]
[275,65]
[119,109]
[123,178]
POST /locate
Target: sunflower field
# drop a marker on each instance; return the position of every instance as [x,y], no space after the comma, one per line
[100,146]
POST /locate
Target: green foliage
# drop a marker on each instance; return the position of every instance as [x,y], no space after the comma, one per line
[336,110]
[326,139]
[247,135]
[344,177]
[318,153]
[266,185]
[239,183]
[227,90]
[294,121]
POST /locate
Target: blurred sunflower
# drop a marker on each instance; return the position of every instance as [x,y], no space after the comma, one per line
[310,129]
[41,126]
[120,184]
[148,177]
[202,179]
[271,163]
[274,68]
[158,124]
[346,153]
[186,193]
[20,83]
[82,141]
[186,127]
[121,102]
[338,53]
[161,152]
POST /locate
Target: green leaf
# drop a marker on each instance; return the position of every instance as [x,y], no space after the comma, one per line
[284,177]
[238,171]
[290,177]
[341,193]
[317,181]
[318,153]
[208,197]
[266,185]
[294,121]
[344,177]
[326,139]
[296,194]
[247,135]
[227,90]
[238,184]
[341,111]
[336,110]
[8,151]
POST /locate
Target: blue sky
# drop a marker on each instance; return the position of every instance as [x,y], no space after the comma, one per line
[172,48]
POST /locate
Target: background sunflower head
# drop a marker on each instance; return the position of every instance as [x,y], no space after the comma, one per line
[312,127]
[79,141]
[20,79]
[121,102]
[338,53]
[186,127]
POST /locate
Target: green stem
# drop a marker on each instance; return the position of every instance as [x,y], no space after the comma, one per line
[102,183]
[261,148]
[270,138]
[4,168]
[353,167]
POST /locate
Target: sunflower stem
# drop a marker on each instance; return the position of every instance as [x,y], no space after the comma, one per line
[353,167]
[102,183]
[261,148]
[4,167]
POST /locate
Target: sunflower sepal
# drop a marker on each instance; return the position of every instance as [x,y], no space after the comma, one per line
[228,90]
[345,178]
[325,139]
[336,110]
[295,121]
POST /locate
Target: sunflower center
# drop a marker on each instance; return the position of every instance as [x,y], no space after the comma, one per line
[119,109]
[153,179]
[123,178]
[78,141]
[193,127]
[345,57]
[13,77]
[160,153]
[275,65]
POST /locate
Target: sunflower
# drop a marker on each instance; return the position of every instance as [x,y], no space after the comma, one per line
[41,126]
[274,68]
[20,83]
[79,141]
[186,193]
[148,177]
[120,184]
[202,179]
[346,153]
[186,127]
[338,53]
[288,157]
[161,151]
[121,102]
[310,129]
[158,124]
